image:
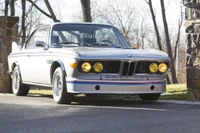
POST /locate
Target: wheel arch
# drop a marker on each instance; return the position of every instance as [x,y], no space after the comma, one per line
[15,64]
[55,65]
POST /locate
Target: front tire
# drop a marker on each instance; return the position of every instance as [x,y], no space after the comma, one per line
[149,97]
[18,88]
[60,94]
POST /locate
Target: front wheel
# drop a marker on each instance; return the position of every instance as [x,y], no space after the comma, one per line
[18,88]
[60,94]
[149,97]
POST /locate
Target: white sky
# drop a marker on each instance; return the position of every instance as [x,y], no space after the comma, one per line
[69,9]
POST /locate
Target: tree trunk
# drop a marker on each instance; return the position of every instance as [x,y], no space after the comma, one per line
[155,25]
[6,7]
[86,10]
[23,20]
[12,7]
[53,16]
[173,72]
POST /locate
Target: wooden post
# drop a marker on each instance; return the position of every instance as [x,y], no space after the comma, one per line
[8,33]
[192,16]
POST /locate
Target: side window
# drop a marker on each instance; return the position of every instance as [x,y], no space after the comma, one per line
[30,44]
[40,34]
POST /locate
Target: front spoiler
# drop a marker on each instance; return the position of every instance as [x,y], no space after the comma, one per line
[115,87]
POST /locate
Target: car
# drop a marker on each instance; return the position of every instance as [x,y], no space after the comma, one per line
[86,58]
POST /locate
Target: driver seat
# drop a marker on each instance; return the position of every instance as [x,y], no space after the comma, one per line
[54,40]
[89,40]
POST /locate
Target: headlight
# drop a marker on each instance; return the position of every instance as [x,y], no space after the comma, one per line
[86,67]
[153,67]
[162,67]
[98,67]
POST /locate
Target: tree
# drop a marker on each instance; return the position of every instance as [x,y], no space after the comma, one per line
[23,21]
[12,7]
[85,4]
[6,7]
[149,2]
[127,18]
[168,43]
[51,15]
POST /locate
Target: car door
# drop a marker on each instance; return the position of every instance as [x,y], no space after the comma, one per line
[35,68]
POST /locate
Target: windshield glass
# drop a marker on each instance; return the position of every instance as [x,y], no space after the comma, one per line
[90,35]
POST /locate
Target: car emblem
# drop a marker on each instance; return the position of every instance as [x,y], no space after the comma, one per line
[128,56]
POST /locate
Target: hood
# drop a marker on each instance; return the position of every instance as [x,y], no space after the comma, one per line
[119,53]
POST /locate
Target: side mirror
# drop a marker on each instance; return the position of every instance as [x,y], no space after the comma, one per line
[135,46]
[42,44]
[20,45]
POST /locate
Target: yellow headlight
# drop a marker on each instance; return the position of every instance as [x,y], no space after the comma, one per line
[98,67]
[153,67]
[162,67]
[86,67]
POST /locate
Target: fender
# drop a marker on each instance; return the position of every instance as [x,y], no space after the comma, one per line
[56,64]
[62,67]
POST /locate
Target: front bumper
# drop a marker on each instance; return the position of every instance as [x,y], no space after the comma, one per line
[115,87]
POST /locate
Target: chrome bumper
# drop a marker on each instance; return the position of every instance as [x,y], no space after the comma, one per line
[115,87]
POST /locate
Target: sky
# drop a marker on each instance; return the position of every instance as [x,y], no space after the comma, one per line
[69,9]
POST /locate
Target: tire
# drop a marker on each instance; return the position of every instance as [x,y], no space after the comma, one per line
[149,97]
[18,88]
[60,94]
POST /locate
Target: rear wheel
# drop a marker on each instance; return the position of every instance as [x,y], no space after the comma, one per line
[149,97]
[59,89]
[18,88]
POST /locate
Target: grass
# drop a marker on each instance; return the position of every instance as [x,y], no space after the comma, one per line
[173,92]
[40,92]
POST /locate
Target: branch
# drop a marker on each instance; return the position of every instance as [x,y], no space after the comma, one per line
[33,3]
[53,16]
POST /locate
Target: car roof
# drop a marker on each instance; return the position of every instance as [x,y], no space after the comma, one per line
[82,23]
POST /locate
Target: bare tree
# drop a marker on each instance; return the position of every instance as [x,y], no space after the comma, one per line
[168,43]
[180,23]
[12,7]
[51,15]
[149,2]
[6,7]
[23,20]
[126,18]
[86,10]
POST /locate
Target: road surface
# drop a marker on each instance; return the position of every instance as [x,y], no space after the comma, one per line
[35,114]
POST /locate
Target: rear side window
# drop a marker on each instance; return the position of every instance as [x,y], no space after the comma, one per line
[40,34]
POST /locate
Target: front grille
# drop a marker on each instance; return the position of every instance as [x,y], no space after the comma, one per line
[142,67]
[128,68]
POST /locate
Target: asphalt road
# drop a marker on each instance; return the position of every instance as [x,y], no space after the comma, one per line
[42,115]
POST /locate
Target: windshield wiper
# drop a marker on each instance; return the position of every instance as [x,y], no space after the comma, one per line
[85,44]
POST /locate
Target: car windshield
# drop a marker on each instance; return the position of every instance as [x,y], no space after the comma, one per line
[86,35]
